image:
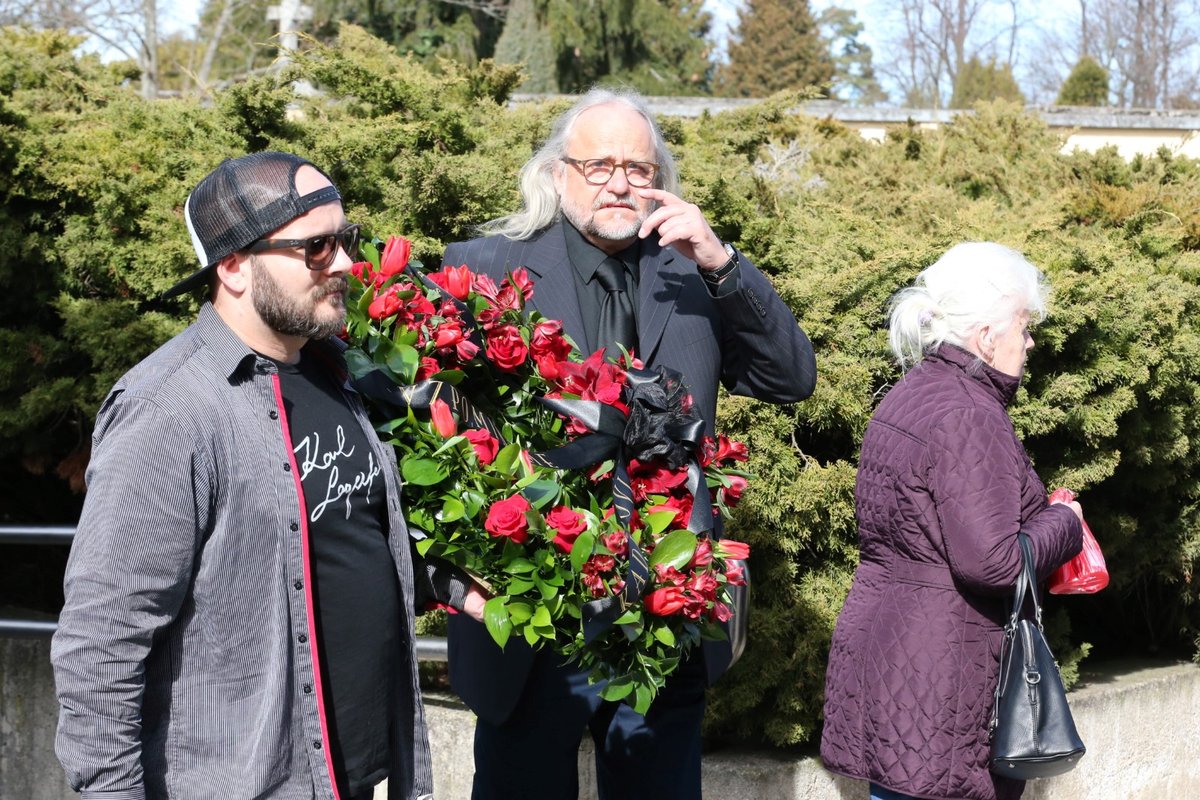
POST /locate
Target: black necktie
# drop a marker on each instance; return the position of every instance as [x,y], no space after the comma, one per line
[617,323]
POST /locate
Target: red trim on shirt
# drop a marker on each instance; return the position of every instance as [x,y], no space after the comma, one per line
[308,596]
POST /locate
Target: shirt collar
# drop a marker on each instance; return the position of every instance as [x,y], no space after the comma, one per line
[234,356]
[586,258]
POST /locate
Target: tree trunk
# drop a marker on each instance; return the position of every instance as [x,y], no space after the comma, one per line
[149,50]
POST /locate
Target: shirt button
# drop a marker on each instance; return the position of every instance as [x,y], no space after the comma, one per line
[287,467]
[316,745]
[299,585]
[273,414]
[307,689]
[302,638]
[294,526]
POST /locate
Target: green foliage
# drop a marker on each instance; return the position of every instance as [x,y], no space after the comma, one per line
[776,46]
[655,46]
[977,82]
[1087,85]
[853,69]
[90,220]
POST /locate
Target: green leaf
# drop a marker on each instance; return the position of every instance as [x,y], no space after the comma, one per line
[403,360]
[423,471]
[541,617]
[541,492]
[358,362]
[452,509]
[521,566]
[506,458]
[664,635]
[520,612]
[423,546]
[674,550]
[495,617]
[618,689]
[658,521]
[643,697]
[519,585]
[582,550]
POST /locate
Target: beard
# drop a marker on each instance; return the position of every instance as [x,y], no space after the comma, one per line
[616,230]
[303,317]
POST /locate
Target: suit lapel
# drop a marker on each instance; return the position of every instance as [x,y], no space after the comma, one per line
[658,288]
[554,293]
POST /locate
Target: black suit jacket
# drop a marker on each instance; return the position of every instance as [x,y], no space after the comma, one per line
[748,340]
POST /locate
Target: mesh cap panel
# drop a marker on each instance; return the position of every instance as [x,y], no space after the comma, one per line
[240,202]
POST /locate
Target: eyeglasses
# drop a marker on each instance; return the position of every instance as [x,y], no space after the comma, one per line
[598,171]
[319,251]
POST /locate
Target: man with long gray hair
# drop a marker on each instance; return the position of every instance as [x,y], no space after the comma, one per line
[620,258]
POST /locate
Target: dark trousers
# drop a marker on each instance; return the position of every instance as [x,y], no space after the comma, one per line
[534,754]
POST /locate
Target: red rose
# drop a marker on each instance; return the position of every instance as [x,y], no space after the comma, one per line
[665,601]
[732,493]
[728,548]
[486,446]
[428,368]
[507,518]
[442,419]
[505,347]
[455,280]
[450,336]
[568,524]
[395,256]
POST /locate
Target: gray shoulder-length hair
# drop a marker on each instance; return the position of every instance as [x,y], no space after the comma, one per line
[539,197]
[973,284]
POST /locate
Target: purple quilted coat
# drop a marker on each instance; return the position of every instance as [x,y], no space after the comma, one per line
[944,485]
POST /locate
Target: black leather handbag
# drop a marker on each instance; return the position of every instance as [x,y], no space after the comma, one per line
[1033,733]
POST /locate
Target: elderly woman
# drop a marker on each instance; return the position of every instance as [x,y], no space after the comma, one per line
[944,486]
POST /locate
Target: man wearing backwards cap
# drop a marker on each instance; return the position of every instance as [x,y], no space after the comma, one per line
[239,597]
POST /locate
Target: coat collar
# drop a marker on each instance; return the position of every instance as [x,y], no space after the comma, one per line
[999,384]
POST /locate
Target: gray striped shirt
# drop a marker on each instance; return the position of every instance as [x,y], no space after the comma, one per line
[185,662]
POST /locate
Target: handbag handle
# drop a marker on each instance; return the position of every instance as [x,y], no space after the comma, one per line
[1026,584]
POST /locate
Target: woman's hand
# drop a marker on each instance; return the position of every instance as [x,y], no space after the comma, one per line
[1074,506]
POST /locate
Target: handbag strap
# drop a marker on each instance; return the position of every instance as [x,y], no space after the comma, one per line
[1026,586]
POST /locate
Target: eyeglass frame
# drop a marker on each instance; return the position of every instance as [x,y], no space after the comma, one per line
[578,163]
[347,239]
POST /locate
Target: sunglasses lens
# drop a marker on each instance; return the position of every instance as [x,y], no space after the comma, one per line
[319,251]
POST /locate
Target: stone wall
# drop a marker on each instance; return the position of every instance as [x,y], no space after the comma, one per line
[1141,725]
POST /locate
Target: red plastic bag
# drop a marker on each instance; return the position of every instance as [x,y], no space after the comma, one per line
[1086,573]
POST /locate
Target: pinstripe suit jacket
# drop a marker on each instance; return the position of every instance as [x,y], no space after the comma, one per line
[747,339]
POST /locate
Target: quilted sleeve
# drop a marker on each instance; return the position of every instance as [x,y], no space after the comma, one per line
[975,473]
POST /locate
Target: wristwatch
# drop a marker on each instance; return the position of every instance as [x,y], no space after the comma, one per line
[721,272]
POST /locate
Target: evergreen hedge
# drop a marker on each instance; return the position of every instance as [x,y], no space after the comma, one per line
[91,232]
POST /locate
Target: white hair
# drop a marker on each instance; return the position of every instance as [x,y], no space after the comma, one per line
[972,285]
[539,197]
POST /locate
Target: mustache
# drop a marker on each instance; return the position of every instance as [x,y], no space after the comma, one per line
[613,200]
[338,285]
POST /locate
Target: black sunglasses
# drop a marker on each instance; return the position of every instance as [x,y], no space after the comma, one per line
[319,251]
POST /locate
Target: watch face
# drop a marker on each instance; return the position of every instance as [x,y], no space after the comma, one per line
[729,249]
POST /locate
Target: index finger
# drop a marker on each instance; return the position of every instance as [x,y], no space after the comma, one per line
[660,196]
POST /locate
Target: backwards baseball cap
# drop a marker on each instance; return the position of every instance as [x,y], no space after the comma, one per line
[240,202]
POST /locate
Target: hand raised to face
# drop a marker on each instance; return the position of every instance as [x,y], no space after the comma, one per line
[681,225]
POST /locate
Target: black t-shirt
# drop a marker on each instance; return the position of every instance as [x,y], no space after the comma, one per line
[356,592]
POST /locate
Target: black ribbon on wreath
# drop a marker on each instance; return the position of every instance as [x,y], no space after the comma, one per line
[657,428]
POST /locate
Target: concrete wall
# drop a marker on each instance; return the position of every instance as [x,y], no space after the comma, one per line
[1141,725]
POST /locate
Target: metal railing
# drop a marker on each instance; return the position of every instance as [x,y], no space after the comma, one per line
[429,648]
